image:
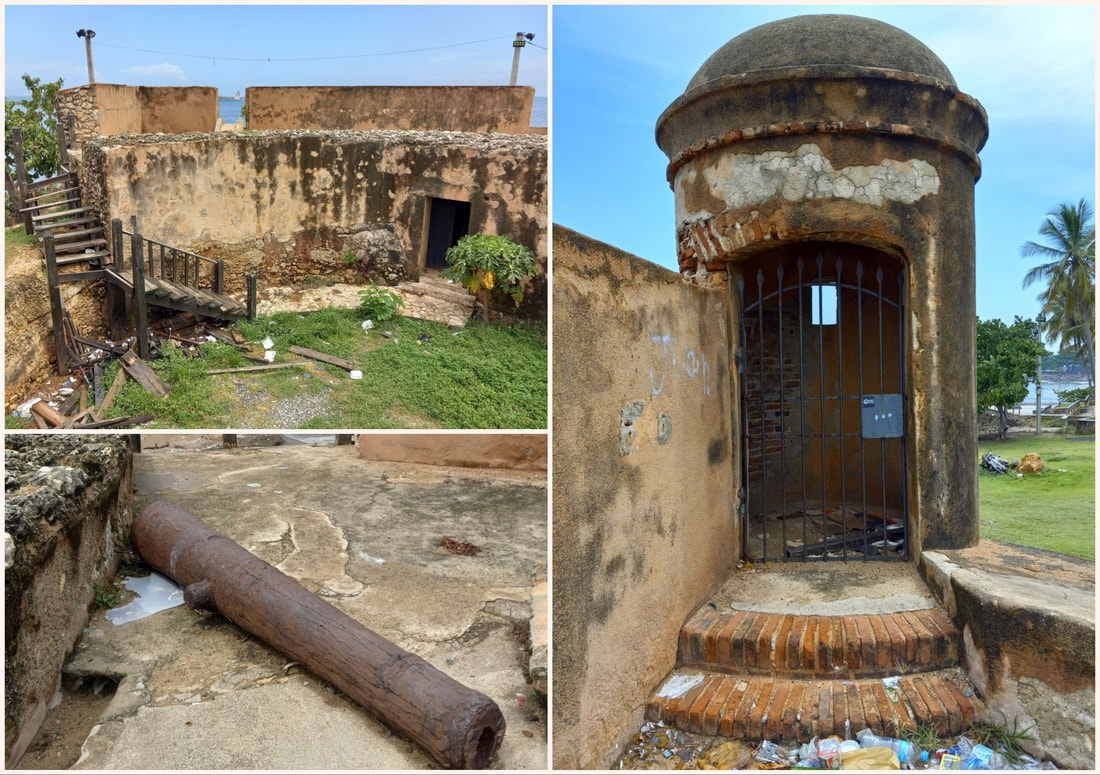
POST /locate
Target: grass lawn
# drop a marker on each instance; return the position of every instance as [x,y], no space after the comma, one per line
[487,375]
[1054,509]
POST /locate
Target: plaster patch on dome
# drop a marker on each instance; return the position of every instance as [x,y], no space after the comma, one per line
[746,180]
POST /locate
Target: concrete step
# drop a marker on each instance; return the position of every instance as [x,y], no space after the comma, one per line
[758,708]
[801,646]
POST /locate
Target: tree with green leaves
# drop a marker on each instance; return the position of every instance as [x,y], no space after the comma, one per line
[1069,275]
[1008,359]
[36,116]
[487,262]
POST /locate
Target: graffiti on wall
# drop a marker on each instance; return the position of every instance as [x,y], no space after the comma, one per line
[678,363]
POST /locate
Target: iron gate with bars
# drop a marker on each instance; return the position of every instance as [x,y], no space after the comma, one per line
[823,408]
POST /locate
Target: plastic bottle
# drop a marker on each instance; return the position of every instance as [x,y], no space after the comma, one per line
[906,751]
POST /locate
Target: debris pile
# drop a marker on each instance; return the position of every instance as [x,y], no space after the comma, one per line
[667,748]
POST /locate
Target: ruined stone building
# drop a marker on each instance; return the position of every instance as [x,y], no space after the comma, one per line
[812,360]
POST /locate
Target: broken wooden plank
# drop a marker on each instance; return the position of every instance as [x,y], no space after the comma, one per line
[72,421]
[116,349]
[259,368]
[459,726]
[323,357]
[144,375]
[119,422]
[69,403]
[116,386]
[223,337]
[48,413]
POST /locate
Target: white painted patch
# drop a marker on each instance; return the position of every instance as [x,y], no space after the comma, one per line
[154,593]
[679,685]
[746,180]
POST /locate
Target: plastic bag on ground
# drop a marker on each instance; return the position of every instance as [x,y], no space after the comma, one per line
[871,759]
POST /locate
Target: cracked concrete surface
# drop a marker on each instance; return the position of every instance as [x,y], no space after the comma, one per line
[196,692]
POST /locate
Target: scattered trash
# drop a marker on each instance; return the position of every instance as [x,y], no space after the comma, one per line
[679,685]
[24,409]
[355,374]
[372,560]
[268,343]
[269,356]
[154,593]
[423,339]
[368,325]
[460,547]
[995,463]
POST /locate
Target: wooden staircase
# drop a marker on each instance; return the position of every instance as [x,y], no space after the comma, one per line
[786,677]
[55,208]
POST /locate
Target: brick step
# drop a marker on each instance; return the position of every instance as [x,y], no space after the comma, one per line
[798,646]
[758,708]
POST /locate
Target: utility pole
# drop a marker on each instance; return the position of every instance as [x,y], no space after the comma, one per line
[88,35]
[517,46]
[1040,321]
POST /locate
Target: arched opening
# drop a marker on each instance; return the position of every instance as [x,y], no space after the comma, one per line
[823,404]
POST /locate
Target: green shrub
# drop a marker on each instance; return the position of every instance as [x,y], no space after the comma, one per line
[379,304]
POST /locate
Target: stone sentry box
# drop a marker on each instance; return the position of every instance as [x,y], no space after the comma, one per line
[833,157]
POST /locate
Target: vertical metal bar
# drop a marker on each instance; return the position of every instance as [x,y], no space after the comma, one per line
[802,403]
[862,445]
[782,423]
[821,395]
[840,398]
[882,389]
[744,423]
[140,312]
[904,417]
[763,432]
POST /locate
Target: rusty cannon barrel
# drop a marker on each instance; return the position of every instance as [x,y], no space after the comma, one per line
[460,727]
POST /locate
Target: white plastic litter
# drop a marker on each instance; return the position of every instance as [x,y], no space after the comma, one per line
[268,343]
[368,325]
[24,409]
[155,593]
[356,374]
[679,685]
[269,355]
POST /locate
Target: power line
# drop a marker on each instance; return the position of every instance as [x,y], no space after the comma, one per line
[306,59]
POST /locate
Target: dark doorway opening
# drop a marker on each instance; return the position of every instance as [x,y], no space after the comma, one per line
[823,404]
[448,222]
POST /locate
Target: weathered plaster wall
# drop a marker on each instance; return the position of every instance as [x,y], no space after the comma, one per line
[173,109]
[505,109]
[644,482]
[67,508]
[1028,644]
[284,203]
[525,451]
[112,109]
[876,158]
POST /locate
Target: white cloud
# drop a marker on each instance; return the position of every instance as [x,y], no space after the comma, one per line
[162,73]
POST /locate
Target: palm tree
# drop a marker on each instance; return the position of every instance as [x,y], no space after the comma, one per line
[1070,276]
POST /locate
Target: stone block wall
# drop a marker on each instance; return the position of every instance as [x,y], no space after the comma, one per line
[520,451]
[504,109]
[67,511]
[283,204]
[646,471]
[111,109]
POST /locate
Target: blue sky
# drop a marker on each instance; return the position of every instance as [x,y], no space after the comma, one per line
[196,45]
[616,68]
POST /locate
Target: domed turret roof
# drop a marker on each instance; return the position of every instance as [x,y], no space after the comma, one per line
[822,39]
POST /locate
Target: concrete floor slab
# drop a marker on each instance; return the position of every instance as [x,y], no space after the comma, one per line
[826,589]
[199,693]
